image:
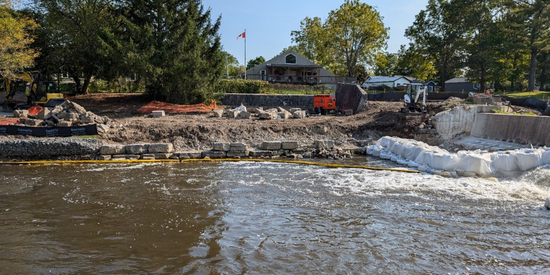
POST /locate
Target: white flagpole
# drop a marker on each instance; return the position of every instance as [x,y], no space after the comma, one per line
[245,54]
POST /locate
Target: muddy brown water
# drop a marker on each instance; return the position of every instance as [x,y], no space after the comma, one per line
[268,218]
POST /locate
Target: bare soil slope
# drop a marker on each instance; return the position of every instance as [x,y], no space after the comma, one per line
[199,131]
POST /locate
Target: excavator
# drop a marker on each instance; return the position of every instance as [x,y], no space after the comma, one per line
[20,91]
[415,98]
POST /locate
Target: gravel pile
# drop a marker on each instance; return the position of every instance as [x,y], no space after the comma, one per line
[47,148]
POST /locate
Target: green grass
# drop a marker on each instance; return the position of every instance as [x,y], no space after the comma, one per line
[543,95]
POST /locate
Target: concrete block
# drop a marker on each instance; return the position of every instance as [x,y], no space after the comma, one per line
[162,155]
[65,124]
[293,110]
[132,157]
[160,148]
[194,155]
[104,157]
[285,115]
[243,115]
[237,147]
[348,112]
[112,149]
[45,114]
[289,145]
[257,153]
[221,146]
[136,149]
[213,154]
[218,113]
[232,113]
[238,154]
[270,145]
[20,113]
[299,114]
[148,156]
[323,144]
[30,122]
[158,113]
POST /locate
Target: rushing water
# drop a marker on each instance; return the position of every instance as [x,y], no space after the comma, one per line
[268,218]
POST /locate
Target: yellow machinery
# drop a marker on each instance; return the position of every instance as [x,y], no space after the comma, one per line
[21,91]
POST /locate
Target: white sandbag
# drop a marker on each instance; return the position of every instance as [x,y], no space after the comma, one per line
[376,152]
[504,162]
[443,161]
[385,155]
[473,162]
[385,142]
[528,159]
[370,149]
[545,156]
[412,151]
[397,148]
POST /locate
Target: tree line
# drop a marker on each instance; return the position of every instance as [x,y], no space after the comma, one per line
[505,42]
[172,48]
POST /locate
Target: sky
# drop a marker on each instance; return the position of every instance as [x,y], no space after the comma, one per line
[268,23]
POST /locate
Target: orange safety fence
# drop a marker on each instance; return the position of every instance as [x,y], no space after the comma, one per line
[177,109]
[8,121]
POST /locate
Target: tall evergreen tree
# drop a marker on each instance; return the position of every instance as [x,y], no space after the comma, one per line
[173,46]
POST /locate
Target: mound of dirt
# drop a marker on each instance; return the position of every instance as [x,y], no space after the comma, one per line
[200,131]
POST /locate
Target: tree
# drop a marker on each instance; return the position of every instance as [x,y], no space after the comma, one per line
[74,35]
[532,24]
[385,64]
[255,62]
[351,35]
[15,40]
[233,67]
[173,46]
[484,21]
[438,32]
[415,63]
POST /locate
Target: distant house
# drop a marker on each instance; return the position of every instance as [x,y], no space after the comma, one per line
[430,85]
[462,84]
[290,67]
[389,81]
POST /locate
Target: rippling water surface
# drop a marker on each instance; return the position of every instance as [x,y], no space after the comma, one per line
[268,218]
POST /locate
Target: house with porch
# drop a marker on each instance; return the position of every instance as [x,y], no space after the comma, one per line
[291,67]
[389,81]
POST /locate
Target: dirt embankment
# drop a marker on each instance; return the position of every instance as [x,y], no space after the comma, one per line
[200,131]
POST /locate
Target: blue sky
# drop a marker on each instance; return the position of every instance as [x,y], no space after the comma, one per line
[268,23]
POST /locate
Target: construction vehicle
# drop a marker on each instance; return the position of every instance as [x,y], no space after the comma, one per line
[415,98]
[324,104]
[20,91]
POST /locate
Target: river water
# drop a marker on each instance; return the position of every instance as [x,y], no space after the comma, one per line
[268,218]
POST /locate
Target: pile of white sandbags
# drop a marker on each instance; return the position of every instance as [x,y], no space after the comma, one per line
[431,158]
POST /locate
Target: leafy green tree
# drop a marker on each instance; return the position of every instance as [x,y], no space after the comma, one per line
[353,34]
[484,22]
[385,64]
[438,32]
[255,62]
[174,46]
[15,40]
[233,68]
[74,33]
[532,24]
[415,63]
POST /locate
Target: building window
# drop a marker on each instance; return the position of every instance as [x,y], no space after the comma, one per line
[290,59]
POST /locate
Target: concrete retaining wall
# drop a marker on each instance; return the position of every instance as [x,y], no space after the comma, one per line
[459,120]
[514,128]
[262,100]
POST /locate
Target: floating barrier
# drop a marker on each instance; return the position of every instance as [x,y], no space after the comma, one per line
[329,165]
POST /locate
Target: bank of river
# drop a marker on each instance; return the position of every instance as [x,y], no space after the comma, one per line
[265,218]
